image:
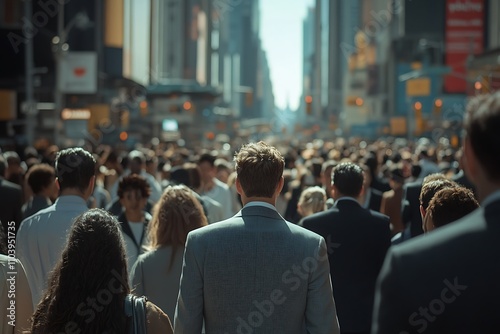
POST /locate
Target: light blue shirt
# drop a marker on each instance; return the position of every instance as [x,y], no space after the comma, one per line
[41,239]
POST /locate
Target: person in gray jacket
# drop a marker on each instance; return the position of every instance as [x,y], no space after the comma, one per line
[256,272]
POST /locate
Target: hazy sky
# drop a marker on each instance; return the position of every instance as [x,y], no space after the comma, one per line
[281,34]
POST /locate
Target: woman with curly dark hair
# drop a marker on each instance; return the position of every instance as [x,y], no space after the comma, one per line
[156,274]
[89,285]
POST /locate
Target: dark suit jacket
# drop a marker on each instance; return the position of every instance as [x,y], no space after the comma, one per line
[357,240]
[375,200]
[411,208]
[443,282]
[11,197]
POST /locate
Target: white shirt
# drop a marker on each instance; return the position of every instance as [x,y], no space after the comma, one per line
[220,193]
[41,239]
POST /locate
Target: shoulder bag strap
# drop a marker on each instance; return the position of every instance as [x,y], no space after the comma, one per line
[135,307]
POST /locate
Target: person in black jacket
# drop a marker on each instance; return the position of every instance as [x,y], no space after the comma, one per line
[359,239]
[447,281]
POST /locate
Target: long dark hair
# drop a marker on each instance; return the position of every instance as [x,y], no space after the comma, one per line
[89,284]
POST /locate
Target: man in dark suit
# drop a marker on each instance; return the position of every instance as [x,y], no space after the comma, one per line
[256,272]
[447,281]
[362,238]
[371,198]
[11,197]
[411,209]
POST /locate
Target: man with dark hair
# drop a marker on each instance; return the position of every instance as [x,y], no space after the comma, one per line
[42,181]
[448,205]
[212,187]
[11,197]
[362,238]
[41,237]
[411,215]
[276,275]
[429,189]
[134,191]
[136,164]
[371,198]
[451,276]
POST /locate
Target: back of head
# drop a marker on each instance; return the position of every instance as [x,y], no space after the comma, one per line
[348,179]
[481,125]
[75,167]
[93,267]
[180,175]
[194,175]
[312,200]
[429,189]
[260,168]
[177,213]
[451,204]
[433,177]
[136,161]
[40,177]
[12,158]
[396,174]
[208,158]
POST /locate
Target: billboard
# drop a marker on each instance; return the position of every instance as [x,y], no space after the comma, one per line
[464,33]
[78,73]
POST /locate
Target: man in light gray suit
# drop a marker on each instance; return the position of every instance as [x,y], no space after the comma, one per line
[256,272]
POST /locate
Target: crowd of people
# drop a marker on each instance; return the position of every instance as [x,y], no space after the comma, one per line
[341,236]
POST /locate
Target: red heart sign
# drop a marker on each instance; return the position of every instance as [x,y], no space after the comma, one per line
[79,71]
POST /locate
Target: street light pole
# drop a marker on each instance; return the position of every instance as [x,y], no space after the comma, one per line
[30,109]
[58,97]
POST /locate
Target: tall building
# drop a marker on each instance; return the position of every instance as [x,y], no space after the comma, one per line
[308,58]
[239,46]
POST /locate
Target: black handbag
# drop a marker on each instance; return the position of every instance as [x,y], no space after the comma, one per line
[135,308]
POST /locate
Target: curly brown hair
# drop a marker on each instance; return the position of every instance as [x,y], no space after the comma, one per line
[134,182]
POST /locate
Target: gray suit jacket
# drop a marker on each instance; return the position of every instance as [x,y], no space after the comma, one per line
[255,272]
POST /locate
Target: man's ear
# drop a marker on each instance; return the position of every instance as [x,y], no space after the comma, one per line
[362,192]
[422,212]
[469,160]
[239,189]
[280,186]
[333,192]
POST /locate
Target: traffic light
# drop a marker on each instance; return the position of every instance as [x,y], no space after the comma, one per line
[248,99]
[438,105]
[144,108]
[123,135]
[187,105]
[309,100]
[419,121]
